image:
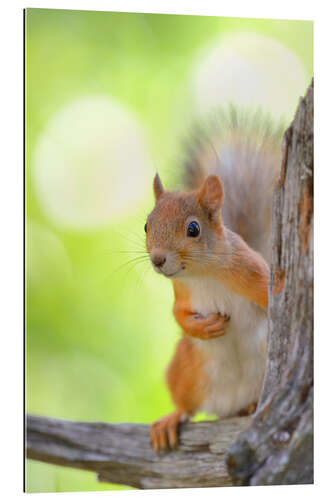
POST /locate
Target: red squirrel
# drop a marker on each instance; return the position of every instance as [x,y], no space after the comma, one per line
[213,242]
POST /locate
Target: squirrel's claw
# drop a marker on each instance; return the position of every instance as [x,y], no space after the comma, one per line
[199,326]
[211,326]
[164,432]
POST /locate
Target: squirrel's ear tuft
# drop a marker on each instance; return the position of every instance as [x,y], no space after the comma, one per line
[211,194]
[158,187]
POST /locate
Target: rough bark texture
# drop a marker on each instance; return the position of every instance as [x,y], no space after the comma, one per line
[122,453]
[276,445]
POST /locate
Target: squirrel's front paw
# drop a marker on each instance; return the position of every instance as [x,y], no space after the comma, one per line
[208,327]
[164,432]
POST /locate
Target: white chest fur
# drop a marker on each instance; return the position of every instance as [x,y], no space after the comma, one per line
[237,360]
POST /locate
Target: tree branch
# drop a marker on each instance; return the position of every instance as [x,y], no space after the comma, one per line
[122,453]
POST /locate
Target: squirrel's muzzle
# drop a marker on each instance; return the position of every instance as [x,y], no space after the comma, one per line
[166,262]
[158,258]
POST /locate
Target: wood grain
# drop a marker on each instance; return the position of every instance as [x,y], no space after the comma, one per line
[122,453]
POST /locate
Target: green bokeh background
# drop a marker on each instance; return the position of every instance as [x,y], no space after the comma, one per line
[98,338]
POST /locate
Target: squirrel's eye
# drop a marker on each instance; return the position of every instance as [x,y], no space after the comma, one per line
[146,227]
[193,229]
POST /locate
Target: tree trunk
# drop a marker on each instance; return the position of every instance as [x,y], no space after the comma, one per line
[276,445]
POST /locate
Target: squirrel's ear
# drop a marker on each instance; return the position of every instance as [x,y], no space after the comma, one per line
[211,194]
[158,187]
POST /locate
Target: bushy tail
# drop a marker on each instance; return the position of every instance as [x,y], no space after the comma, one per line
[244,150]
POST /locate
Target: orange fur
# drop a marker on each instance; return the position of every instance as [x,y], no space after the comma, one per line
[248,411]
[192,323]
[187,382]
[248,274]
[186,377]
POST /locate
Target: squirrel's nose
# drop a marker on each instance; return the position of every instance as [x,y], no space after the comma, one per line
[158,259]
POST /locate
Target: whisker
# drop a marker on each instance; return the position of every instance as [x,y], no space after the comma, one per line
[206,260]
[136,239]
[129,251]
[136,260]
[143,274]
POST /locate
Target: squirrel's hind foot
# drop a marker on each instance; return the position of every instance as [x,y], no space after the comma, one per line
[247,411]
[164,432]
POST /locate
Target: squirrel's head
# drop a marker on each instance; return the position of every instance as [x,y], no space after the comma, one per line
[184,231]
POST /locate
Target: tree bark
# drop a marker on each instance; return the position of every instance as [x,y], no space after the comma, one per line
[276,445]
[122,453]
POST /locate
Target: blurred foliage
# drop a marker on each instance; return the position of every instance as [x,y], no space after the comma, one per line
[100,332]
